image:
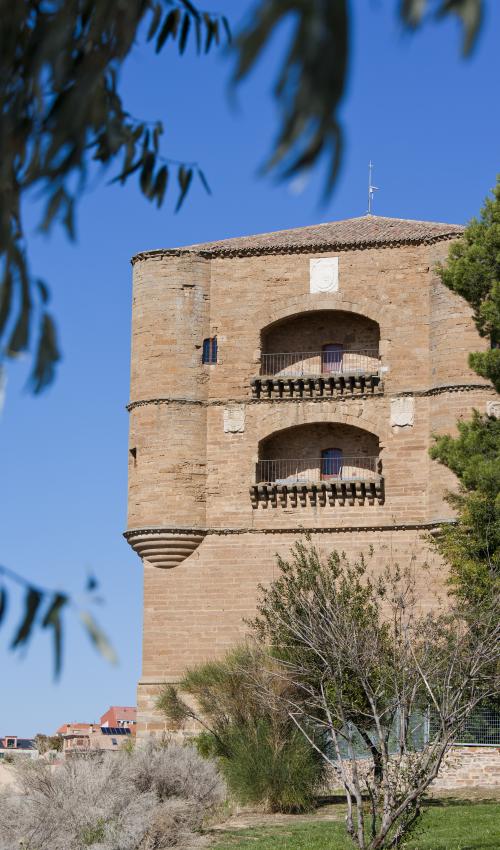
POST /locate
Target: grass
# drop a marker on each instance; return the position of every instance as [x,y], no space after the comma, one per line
[444,826]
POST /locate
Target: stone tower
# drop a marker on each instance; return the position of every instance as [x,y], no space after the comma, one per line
[286,382]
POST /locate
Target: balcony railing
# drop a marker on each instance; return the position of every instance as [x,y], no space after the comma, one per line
[299,364]
[297,471]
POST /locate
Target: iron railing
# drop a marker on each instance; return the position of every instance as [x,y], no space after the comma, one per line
[317,469]
[297,364]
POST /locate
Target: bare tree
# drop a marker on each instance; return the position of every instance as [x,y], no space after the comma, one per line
[392,686]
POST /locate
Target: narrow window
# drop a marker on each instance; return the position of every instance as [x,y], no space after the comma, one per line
[331,357]
[331,463]
[209,350]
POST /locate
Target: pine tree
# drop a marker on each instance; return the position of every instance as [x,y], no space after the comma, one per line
[472,545]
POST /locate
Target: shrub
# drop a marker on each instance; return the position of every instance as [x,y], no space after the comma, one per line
[270,765]
[153,798]
[261,754]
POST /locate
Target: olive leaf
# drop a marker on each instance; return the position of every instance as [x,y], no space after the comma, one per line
[3,602]
[52,620]
[97,637]
[32,601]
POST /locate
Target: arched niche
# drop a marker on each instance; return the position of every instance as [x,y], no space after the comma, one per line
[303,453]
[320,343]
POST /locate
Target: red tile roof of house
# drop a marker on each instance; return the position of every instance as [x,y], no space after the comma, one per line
[367,231]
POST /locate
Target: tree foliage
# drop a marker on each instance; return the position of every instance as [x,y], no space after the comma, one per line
[48,743]
[262,754]
[473,271]
[312,78]
[472,545]
[63,116]
[364,666]
[43,610]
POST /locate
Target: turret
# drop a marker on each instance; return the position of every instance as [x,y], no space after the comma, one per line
[167,442]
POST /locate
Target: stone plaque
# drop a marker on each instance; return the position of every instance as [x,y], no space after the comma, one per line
[402,412]
[493,409]
[234,419]
[324,274]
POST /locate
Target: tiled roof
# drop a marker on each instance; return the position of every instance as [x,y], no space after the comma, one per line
[367,231]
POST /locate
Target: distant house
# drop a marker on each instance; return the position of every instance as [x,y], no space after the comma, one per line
[11,745]
[81,738]
[120,716]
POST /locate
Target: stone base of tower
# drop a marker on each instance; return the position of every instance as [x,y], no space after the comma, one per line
[197,611]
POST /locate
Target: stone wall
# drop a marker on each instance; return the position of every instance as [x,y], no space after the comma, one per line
[469,767]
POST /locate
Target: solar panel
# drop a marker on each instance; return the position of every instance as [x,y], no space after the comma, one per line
[114,730]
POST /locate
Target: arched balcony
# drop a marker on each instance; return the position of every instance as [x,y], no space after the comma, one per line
[318,464]
[319,353]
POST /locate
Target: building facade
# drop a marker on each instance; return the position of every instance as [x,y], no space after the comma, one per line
[284,383]
[11,747]
[124,716]
[81,738]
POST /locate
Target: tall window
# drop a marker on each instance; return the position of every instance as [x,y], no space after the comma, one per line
[331,357]
[331,463]
[209,350]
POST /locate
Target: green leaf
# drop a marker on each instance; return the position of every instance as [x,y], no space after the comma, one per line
[227,29]
[147,173]
[47,355]
[212,28]
[5,298]
[19,338]
[204,181]
[184,177]
[412,11]
[186,24]
[3,602]
[31,605]
[120,178]
[169,28]
[470,13]
[160,185]
[191,9]
[97,637]
[52,208]
[52,620]
[43,289]
[155,21]
[68,219]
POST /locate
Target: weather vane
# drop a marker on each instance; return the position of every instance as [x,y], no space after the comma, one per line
[371,188]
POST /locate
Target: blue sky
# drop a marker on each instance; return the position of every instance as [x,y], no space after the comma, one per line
[431,124]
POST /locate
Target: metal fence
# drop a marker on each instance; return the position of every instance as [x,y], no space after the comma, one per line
[481,729]
[312,363]
[312,470]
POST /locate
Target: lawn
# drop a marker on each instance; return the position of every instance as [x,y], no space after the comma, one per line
[445,826]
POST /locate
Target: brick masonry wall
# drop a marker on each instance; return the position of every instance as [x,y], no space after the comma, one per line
[197,433]
[198,609]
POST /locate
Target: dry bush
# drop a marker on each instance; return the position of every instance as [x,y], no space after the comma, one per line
[152,798]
